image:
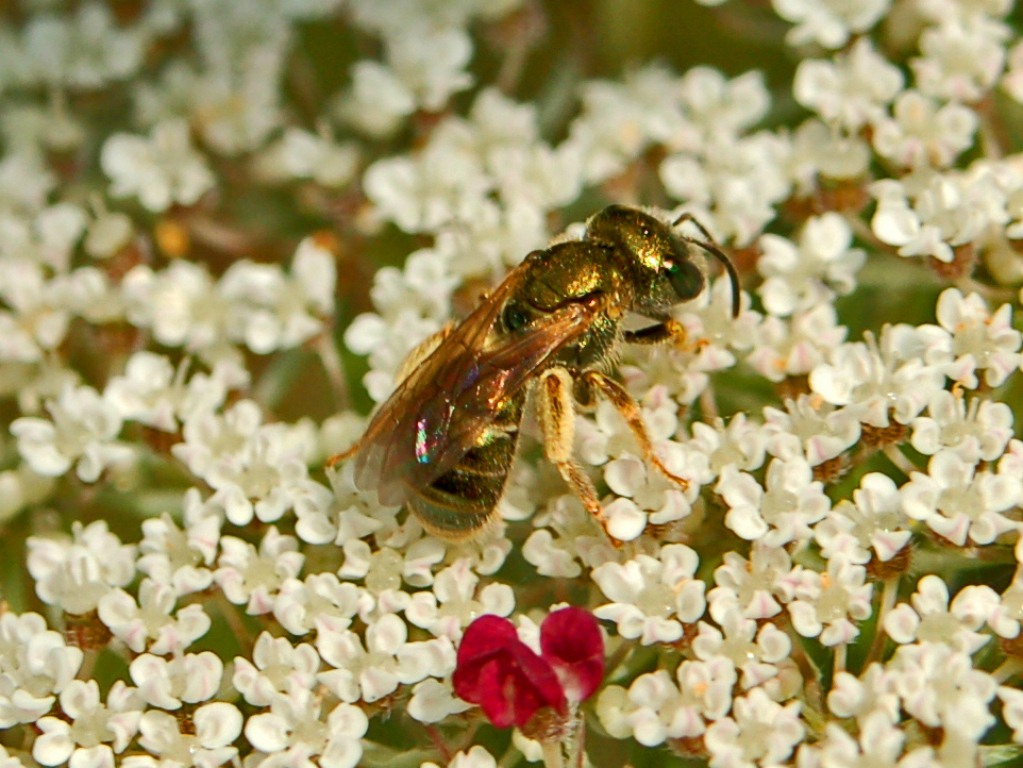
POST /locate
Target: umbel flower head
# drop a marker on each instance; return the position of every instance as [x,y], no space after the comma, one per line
[511,682]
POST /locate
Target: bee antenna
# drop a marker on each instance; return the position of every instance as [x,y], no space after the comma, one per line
[709,246]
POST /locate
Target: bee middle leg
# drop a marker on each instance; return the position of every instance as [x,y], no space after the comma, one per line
[629,410]
[556,411]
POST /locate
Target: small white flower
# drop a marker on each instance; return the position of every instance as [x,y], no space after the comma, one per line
[369,673]
[151,622]
[865,696]
[978,431]
[268,310]
[75,572]
[933,619]
[37,663]
[961,58]
[778,729]
[306,155]
[939,686]
[433,700]
[82,431]
[851,89]
[181,558]
[190,678]
[93,731]
[454,601]
[874,522]
[828,22]
[880,379]
[782,511]
[320,603]
[754,588]
[811,429]
[794,346]
[822,267]
[278,665]
[757,652]
[651,597]
[160,170]
[979,339]
[840,599]
[958,502]
[377,101]
[920,133]
[216,726]
[256,470]
[253,576]
[299,727]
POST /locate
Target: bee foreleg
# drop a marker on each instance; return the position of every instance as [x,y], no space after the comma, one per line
[669,330]
[629,409]
[556,412]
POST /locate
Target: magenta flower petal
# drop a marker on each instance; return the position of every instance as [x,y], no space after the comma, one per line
[571,642]
[501,674]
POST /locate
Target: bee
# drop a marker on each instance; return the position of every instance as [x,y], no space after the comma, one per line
[444,442]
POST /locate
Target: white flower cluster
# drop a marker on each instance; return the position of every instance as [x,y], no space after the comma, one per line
[190,193]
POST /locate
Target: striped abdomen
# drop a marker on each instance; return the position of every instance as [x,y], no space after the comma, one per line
[459,503]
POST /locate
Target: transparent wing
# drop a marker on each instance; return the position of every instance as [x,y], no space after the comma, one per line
[440,410]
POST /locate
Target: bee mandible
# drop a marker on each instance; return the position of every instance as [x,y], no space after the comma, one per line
[444,442]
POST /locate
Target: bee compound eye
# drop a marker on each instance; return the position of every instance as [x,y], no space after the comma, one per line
[686,279]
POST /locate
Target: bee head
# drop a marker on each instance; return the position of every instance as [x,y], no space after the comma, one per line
[660,259]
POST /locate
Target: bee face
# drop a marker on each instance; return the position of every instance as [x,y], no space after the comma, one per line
[556,320]
[662,270]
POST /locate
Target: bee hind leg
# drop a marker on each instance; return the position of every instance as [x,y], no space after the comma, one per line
[629,409]
[556,413]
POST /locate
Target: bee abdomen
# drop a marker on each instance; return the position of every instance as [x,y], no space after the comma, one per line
[459,503]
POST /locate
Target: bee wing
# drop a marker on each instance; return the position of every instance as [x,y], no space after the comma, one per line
[440,410]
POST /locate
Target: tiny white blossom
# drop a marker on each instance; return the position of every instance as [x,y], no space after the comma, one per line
[921,133]
[874,525]
[277,666]
[151,622]
[75,572]
[172,683]
[979,430]
[851,88]
[37,664]
[811,429]
[932,618]
[794,346]
[830,22]
[940,687]
[93,731]
[208,744]
[160,170]
[731,741]
[321,603]
[823,266]
[252,576]
[757,652]
[880,379]
[780,512]
[979,339]
[962,58]
[181,558]
[454,601]
[841,598]
[298,726]
[960,503]
[651,597]
[82,432]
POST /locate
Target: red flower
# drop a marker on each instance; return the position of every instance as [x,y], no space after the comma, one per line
[510,682]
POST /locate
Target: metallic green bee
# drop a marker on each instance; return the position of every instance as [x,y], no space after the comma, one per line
[444,442]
